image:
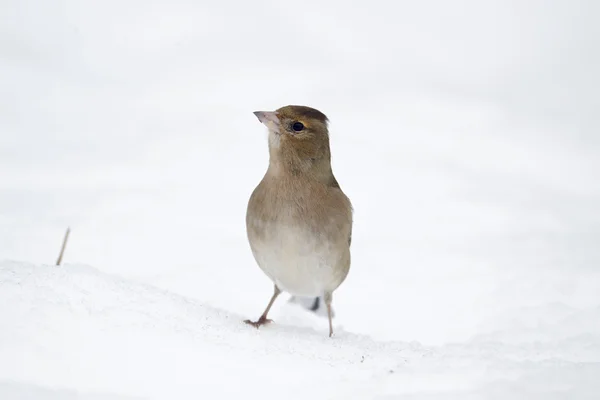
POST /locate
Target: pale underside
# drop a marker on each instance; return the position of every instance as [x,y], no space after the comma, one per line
[296,259]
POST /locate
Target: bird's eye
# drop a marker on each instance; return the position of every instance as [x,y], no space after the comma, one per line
[297,126]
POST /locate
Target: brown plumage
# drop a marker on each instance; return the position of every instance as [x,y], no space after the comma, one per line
[299,222]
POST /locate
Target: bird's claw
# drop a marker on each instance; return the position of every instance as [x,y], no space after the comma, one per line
[261,321]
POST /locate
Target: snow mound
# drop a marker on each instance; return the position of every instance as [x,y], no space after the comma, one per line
[74,332]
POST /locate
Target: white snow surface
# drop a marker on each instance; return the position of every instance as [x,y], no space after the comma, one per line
[75,332]
[465,132]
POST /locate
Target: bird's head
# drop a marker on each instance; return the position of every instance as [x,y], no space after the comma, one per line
[298,137]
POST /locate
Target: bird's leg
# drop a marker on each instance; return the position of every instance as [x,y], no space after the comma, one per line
[263,318]
[327,299]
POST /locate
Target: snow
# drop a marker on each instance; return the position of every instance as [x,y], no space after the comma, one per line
[465,134]
[73,330]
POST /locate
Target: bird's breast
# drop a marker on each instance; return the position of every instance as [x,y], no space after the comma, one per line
[299,234]
[298,259]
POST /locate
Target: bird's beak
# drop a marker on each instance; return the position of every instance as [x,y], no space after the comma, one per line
[269,119]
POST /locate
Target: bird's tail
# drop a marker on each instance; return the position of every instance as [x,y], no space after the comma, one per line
[313,304]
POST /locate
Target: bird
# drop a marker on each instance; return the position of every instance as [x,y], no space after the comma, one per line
[298,219]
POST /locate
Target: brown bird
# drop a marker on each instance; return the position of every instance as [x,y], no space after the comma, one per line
[299,221]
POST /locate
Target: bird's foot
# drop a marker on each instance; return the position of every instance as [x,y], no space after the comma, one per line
[261,321]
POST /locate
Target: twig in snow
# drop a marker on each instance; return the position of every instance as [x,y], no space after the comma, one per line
[62,250]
